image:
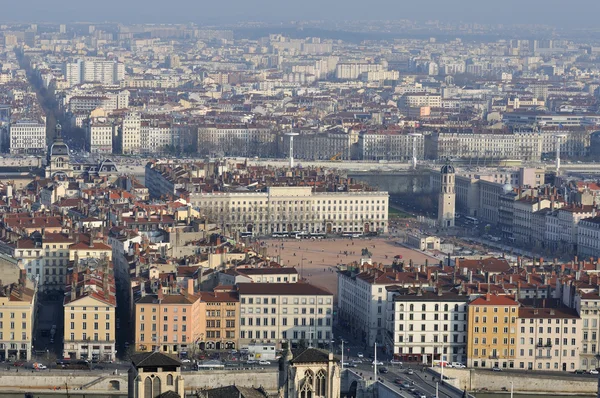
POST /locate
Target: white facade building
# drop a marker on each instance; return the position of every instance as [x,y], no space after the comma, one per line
[424,324]
[27,137]
[278,312]
[131,134]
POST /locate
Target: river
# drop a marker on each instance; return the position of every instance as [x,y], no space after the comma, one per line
[507,395]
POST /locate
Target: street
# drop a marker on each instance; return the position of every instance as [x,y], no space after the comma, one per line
[420,381]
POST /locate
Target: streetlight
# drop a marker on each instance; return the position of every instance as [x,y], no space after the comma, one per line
[511,389]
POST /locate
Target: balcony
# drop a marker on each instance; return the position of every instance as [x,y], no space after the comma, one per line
[542,345]
[494,357]
[543,356]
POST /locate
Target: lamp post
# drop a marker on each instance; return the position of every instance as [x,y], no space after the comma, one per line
[511,389]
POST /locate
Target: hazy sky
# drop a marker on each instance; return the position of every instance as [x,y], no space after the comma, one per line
[567,13]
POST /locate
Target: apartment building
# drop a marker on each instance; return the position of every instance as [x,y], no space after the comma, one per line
[89,312]
[18,310]
[278,312]
[334,143]
[562,227]
[549,339]
[156,136]
[222,310]
[27,137]
[523,210]
[588,237]
[169,323]
[492,332]
[233,276]
[353,70]
[284,209]
[236,140]
[587,304]
[131,130]
[424,326]
[389,145]
[416,100]
[99,136]
[484,146]
[362,300]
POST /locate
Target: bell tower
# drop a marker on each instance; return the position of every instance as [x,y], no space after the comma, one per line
[447,197]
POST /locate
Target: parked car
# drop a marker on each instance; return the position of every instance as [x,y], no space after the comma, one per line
[496,369]
[594,371]
[395,362]
[360,355]
[349,365]
[457,365]
[186,360]
[383,370]
[579,372]
[39,366]
[410,371]
[264,362]
[19,363]
[250,362]
[378,363]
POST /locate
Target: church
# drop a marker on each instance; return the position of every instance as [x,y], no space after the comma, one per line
[59,166]
[58,158]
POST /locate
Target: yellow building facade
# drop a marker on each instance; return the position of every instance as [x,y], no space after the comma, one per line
[492,332]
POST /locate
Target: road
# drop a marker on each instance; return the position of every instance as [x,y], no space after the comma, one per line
[421,381]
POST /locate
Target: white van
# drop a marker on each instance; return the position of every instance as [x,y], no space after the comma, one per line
[457,365]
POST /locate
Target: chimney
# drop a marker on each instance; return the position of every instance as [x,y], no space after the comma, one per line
[190,286]
[159,293]
[487,296]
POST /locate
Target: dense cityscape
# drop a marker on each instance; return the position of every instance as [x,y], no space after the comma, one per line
[357,209]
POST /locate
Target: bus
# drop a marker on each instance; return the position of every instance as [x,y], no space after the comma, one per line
[280,235]
[472,219]
[245,234]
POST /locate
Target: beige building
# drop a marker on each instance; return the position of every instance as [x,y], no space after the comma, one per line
[285,209]
[89,312]
[169,323]
[18,305]
[549,339]
[222,309]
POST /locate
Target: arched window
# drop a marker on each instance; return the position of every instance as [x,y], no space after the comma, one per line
[445,307]
[455,307]
[169,380]
[307,388]
[437,308]
[156,387]
[402,307]
[321,384]
[148,388]
[423,307]
[412,307]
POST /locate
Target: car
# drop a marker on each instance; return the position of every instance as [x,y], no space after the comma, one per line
[593,371]
[399,382]
[233,352]
[186,360]
[263,362]
[410,371]
[579,372]
[457,365]
[349,365]
[395,362]
[39,366]
[383,370]
[356,361]
[412,389]
[378,363]
[360,355]
[250,362]
[496,369]
[19,363]
[405,385]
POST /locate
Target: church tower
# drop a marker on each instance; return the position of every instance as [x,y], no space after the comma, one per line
[447,197]
[58,157]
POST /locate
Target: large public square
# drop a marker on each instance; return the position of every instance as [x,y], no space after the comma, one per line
[317,260]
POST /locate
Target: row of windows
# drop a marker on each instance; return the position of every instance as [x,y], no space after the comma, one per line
[284,321]
[284,335]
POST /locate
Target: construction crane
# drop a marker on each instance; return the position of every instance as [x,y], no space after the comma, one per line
[336,157]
